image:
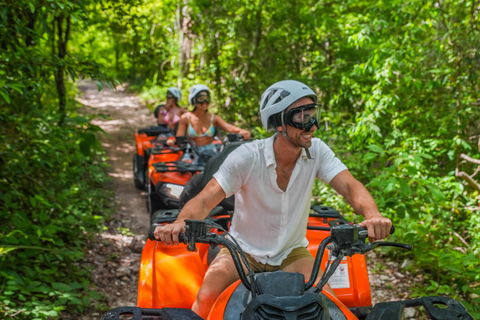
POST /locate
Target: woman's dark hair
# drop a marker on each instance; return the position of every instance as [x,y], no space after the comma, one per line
[157,110]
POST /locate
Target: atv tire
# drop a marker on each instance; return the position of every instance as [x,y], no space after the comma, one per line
[138,176]
[153,201]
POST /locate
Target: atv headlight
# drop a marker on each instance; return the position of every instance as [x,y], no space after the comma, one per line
[172,190]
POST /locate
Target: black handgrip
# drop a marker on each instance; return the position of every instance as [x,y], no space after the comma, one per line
[151,235]
[181,142]
[364,232]
[233,137]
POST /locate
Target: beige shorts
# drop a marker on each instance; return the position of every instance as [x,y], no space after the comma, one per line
[295,255]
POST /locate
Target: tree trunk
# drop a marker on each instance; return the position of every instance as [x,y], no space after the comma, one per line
[61,47]
[184,21]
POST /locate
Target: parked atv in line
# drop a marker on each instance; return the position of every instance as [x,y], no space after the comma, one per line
[166,169]
[171,276]
[145,140]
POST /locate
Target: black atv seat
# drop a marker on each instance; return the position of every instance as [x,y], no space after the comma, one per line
[199,181]
[216,161]
[155,130]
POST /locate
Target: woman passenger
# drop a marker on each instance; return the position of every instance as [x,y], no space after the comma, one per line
[168,114]
[199,124]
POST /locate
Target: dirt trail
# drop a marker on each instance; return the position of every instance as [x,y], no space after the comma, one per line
[125,115]
[115,257]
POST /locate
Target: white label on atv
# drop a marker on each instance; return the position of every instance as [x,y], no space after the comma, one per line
[340,279]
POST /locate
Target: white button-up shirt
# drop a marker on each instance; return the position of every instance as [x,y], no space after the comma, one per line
[268,222]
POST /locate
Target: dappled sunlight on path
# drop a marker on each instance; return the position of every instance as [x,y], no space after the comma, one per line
[116,257]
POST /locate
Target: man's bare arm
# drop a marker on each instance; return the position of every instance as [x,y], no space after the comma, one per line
[363,203]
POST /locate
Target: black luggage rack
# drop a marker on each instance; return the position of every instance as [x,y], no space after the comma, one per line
[177,166]
[325,213]
[164,150]
[154,131]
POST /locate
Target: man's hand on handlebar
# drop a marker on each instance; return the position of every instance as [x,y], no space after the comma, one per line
[378,228]
[168,233]
[246,134]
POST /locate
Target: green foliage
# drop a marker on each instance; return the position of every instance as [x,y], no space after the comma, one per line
[52,198]
[397,82]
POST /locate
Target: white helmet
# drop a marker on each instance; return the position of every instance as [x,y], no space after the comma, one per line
[175,92]
[196,89]
[279,96]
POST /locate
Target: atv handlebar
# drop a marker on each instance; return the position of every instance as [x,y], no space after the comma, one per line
[198,231]
[232,137]
[345,240]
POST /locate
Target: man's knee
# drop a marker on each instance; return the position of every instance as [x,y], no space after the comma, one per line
[206,297]
[208,294]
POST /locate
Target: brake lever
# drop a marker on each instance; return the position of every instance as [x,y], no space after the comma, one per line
[362,248]
[391,244]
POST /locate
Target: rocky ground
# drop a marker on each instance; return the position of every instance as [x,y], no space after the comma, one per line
[115,255]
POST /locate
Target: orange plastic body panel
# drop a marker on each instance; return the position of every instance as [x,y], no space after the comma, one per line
[176,278]
[164,157]
[178,275]
[348,314]
[143,142]
[353,283]
[175,177]
[180,178]
[145,277]
[218,309]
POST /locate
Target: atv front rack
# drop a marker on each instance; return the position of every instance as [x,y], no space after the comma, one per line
[136,313]
[164,150]
[176,166]
[154,131]
[437,308]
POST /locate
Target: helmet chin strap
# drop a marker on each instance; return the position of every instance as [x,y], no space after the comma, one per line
[284,133]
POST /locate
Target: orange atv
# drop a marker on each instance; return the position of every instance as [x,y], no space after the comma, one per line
[171,276]
[145,140]
[170,168]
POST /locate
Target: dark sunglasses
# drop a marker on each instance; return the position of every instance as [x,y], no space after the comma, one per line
[304,117]
[169,95]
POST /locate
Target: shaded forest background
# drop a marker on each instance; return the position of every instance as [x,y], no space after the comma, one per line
[398,82]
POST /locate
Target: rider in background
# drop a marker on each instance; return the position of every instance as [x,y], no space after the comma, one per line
[168,114]
[272,180]
[199,124]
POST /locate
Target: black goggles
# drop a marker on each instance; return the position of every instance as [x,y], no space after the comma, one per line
[202,98]
[169,95]
[304,117]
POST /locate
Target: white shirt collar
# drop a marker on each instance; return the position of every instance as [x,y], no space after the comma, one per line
[270,154]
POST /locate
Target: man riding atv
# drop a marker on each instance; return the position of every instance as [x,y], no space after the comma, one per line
[272,182]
